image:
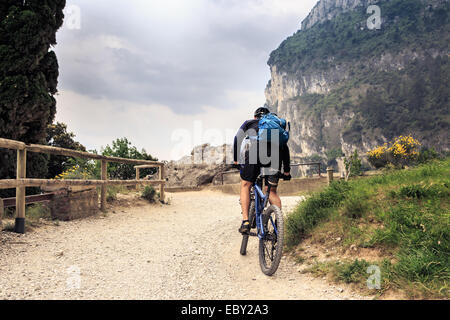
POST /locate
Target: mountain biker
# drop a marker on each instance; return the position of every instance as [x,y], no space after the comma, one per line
[250,164]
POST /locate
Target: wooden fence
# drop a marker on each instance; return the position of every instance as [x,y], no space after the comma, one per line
[21,182]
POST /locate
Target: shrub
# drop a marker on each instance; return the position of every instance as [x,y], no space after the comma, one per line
[352,272]
[426,154]
[111,194]
[401,151]
[353,165]
[149,193]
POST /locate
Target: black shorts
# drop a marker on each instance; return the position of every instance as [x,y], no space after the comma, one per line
[250,172]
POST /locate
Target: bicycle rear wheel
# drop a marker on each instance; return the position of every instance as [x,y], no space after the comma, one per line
[251,218]
[271,246]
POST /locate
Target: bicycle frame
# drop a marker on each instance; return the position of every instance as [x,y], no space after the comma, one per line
[261,200]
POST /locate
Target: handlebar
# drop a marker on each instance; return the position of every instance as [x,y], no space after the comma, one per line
[279,174]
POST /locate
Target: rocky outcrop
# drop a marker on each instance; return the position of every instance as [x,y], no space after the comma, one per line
[207,154]
[202,167]
[328,9]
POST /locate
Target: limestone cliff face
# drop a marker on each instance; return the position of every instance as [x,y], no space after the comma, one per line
[328,9]
[308,130]
[316,133]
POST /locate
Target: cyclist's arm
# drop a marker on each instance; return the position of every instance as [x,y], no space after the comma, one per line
[238,141]
[286,159]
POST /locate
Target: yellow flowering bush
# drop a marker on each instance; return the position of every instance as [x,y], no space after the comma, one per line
[75,173]
[401,151]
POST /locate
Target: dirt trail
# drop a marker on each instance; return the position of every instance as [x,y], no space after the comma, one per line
[186,250]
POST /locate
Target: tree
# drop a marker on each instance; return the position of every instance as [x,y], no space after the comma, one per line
[122,148]
[58,136]
[352,165]
[28,76]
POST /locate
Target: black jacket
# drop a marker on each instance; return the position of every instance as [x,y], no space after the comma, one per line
[250,129]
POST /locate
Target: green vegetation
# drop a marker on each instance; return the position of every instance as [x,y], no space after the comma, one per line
[58,136]
[122,148]
[113,191]
[35,215]
[353,164]
[149,193]
[28,78]
[346,38]
[403,213]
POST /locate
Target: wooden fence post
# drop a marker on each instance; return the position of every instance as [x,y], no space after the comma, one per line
[138,177]
[161,188]
[19,226]
[330,172]
[104,176]
[138,174]
[2,211]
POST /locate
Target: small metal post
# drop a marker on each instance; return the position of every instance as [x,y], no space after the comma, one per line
[2,211]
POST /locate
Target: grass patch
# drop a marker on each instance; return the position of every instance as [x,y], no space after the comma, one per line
[403,212]
[313,211]
[359,272]
[34,216]
[113,191]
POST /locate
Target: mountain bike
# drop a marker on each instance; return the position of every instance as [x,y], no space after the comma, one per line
[269,224]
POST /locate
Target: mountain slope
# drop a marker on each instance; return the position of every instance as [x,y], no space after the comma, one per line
[345,87]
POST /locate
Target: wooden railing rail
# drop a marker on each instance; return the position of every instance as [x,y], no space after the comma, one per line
[318,164]
[21,182]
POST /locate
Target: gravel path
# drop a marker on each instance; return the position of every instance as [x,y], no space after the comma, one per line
[186,250]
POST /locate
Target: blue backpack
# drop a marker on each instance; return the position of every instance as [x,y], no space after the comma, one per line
[270,122]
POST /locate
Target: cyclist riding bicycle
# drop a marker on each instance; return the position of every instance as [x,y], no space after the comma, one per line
[250,164]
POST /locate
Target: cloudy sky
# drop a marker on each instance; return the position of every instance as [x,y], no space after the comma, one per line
[167,74]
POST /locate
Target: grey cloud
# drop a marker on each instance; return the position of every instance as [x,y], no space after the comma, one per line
[183,69]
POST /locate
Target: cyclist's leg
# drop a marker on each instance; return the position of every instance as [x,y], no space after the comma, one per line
[249,174]
[272,178]
[245,198]
[274,198]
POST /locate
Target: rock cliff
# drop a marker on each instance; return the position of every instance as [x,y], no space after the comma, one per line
[345,87]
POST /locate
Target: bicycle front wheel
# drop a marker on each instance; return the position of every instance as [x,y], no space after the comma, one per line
[271,245]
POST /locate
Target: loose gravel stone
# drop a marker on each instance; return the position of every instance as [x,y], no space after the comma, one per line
[186,250]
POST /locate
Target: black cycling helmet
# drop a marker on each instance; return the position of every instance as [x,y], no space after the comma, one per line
[261,111]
